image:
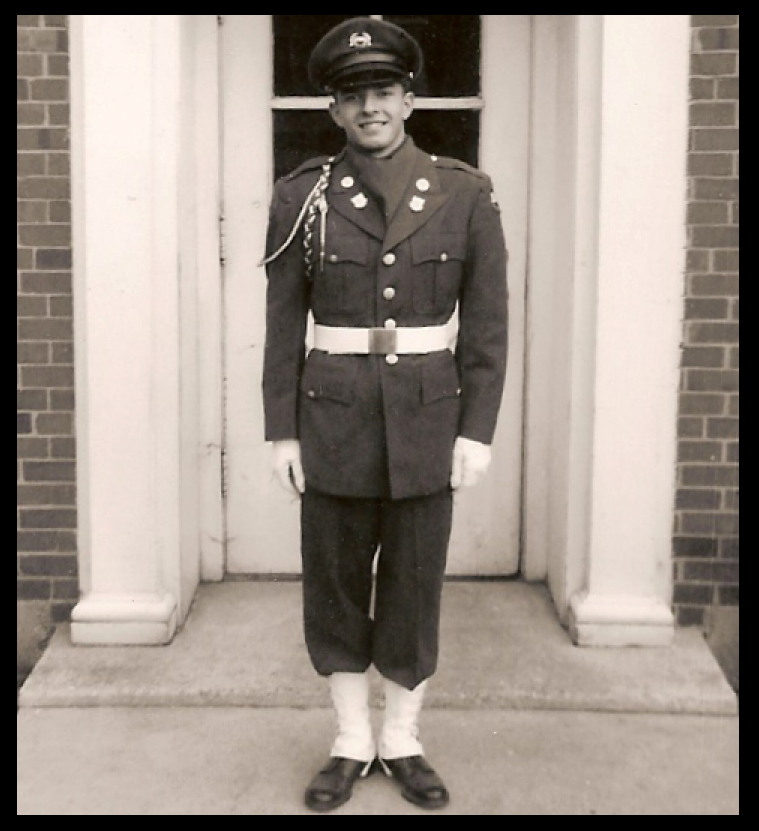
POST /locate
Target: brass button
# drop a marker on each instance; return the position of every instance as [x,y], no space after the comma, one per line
[390,259]
[391,324]
[333,258]
[312,394]
[444,258]
[389,294]
[392,360]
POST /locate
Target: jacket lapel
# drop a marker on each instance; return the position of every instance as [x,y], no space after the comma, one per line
[423,199]
[352,200]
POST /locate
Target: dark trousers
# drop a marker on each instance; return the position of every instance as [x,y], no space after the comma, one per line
[341,538]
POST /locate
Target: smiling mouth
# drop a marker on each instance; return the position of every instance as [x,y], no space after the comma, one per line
[368,124]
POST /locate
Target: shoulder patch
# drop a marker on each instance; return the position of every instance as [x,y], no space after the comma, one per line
[448,163]
[307,167]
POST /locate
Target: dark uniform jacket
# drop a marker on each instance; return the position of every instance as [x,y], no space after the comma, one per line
[369,429]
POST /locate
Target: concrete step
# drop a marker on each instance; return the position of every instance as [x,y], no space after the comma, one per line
[502,649]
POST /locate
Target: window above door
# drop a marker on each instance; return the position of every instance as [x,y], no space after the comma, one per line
[449,90]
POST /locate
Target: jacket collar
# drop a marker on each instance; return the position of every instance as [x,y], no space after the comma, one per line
[353,200]
[423,199]
[350,198]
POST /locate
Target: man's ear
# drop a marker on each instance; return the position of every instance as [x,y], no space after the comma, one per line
[409,104]
[334,111]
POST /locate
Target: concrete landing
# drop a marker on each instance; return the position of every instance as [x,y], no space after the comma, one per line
[503,648]
[257,762]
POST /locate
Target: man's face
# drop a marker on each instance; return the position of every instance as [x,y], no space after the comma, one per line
[374,118]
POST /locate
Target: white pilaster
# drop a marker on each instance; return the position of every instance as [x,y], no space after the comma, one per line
[135,279]
[626,596]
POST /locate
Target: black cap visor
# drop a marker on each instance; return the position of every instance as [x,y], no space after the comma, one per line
[366,69]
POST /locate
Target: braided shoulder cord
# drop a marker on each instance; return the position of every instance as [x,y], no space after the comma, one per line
[315,201]
[317,204]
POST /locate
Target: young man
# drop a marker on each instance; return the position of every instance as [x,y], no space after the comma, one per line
[395,408]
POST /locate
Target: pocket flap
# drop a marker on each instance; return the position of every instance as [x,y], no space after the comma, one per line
[439,248]
[440,379]
[347,249]
[329,377]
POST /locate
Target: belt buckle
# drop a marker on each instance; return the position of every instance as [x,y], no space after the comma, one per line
[383,341]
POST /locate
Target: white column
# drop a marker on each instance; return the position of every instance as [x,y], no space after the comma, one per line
[643,117]
[139,556]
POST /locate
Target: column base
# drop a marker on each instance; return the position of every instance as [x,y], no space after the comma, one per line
[124,620]
[620,621]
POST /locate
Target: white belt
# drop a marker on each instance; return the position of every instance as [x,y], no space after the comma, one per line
[404,340]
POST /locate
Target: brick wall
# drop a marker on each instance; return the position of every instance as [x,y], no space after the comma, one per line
[46,516]
[707,531]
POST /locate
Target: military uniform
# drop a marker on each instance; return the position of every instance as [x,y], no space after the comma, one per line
[384,426]
[402,263]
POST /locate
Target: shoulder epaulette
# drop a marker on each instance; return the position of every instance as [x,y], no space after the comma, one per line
[448,163]
[311,165]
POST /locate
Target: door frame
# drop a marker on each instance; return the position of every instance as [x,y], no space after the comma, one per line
[253,504]
[603,335]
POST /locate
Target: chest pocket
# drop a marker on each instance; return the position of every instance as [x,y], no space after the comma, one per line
[438,269]
[345,286]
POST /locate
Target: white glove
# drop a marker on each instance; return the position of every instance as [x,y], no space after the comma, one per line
[471,461]
[287,465]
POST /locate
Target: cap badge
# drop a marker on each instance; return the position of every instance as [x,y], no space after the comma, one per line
[418,204]
[360,40]
[360,201]
[423,185]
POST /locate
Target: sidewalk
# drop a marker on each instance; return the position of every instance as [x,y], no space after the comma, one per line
[230,720]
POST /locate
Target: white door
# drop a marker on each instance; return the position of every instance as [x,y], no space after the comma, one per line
[474,105]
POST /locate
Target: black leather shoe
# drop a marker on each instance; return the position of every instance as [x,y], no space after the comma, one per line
[333,786]
[419,783]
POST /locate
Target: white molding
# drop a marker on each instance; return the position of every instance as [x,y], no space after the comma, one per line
[78,78]
[258,523]
[138,250]
[608,243]
[210,299]
[640,259]
[620,621]
[544,213]
[114,260]
[561,320]
[123,621]
[309,103]
[505,156]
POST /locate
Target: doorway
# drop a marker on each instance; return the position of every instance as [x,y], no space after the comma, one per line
[474,104]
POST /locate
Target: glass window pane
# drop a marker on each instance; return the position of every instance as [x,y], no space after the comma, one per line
[295,36]
[448,133]
[299,136]
[451,45]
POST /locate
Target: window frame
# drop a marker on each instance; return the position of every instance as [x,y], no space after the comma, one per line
[320,103]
